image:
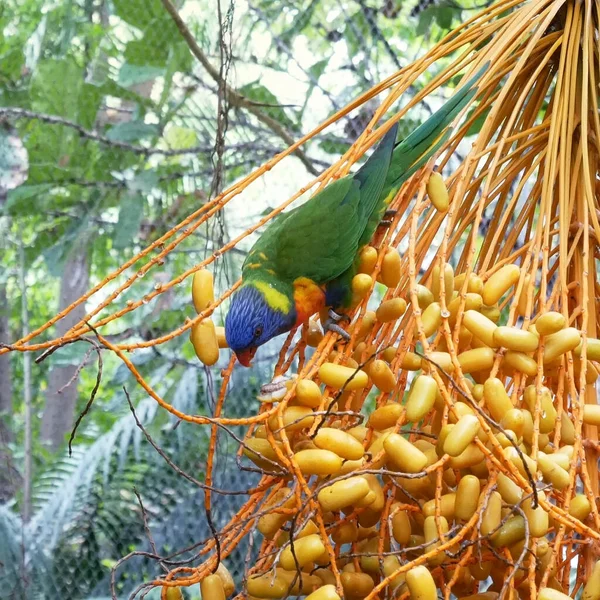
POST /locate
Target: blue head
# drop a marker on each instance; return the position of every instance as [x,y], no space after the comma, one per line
[258,312]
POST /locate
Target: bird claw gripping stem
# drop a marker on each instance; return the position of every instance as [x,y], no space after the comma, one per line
[332,324]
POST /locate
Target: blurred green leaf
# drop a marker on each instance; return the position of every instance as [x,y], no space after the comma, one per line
[180,138]
[131,131]
[267,102]
[130,217]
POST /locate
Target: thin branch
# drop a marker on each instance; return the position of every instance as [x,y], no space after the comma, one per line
[234,98]
[22,113]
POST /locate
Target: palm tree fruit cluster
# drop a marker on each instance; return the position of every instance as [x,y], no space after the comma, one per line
[412,482]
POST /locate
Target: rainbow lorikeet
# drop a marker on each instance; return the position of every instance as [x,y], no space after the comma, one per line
[306,259]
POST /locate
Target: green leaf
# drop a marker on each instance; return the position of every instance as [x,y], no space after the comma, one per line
[55,88]
[270,105]
[130,217]
[25,197]
[133,74]
[71,354]
[144,182]
[478,122]
[140,13]
[318,68]
[131,131]
[180,138]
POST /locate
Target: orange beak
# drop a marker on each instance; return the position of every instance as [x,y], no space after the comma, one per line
[245,356]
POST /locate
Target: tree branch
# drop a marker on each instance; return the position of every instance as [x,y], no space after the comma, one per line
[233,97]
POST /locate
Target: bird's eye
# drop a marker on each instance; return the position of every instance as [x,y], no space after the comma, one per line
[258,331]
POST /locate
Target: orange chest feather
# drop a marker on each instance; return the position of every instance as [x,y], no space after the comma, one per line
[309,299]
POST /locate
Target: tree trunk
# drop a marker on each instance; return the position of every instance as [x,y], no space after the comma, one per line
[9,477]
[59,412]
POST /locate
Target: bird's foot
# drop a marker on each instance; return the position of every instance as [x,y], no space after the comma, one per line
[388,217]
[336,317]
[331,324]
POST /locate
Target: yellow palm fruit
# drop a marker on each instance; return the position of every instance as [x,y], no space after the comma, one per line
[403,454]
[410,361]
[552,473]
[467,497]
[420,584]
[511,532]
[340,442]
[448,282]
[294,418]
[499,283]
[382,376]
[308,393]
[306,549]
[326,592]
[511,493]
[343,493]
[314,335]
[548,414]
[361,285]
[438,192]
[367,260]
[479,359]
[591,591]
[492,515]
[550,594]
[496,399]
[462,434]
[390,310]
[338,376]
[522,303]
[447,506]
[268,587]
[221,339]
[424,296]
[580,507]
[559,343]
[318,462]
[345,533]
[516,339]
[385,416]
[520,362]
[270,523]
[550,322]
[401,527]
[356,585]
[203,336]
[258,449]
[591,414]
[431,319]
[226,578]
[211,588]
[366,325]
[173,593]
[421,398]
[481,327]
[203,294]
[537,517]
[390,268]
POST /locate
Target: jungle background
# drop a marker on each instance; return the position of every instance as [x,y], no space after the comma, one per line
[111,132]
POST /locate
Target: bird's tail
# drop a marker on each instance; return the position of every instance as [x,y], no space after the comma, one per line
[415,150]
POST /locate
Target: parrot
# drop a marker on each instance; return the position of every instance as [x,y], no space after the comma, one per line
[306,258]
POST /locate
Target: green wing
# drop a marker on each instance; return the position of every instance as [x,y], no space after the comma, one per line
[320,239]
